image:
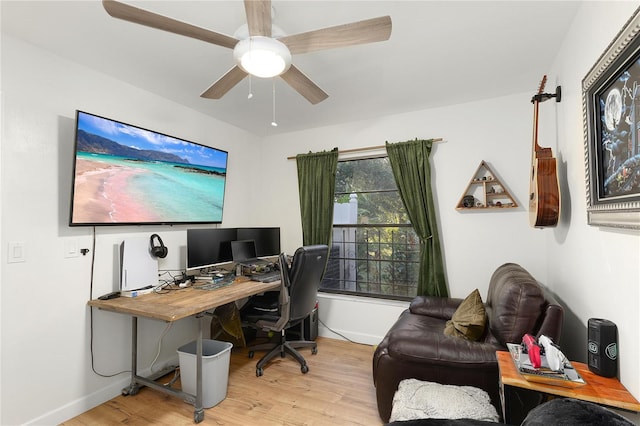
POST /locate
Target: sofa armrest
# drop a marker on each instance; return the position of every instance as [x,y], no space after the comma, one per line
[437,307]
[552,323]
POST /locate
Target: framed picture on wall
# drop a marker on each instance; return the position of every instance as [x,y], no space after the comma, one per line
[611,111]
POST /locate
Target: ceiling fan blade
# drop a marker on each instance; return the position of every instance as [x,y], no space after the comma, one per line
[160,22]
[361,32]
[258,17]
[303,85]
[224,83]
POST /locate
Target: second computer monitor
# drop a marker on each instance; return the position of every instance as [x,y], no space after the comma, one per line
[267,240]
[243,250]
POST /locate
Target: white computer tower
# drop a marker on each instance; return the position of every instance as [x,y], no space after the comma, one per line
[138,266]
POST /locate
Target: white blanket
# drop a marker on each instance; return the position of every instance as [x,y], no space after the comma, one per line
[416,399]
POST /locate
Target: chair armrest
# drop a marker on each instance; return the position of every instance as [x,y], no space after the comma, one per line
[438,307]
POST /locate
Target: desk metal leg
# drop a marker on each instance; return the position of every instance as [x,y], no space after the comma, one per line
[198,414]
[137,381]
[133,387]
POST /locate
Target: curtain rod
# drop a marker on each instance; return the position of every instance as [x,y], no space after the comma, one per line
[369,148]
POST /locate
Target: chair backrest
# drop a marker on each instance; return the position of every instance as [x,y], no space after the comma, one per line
[305,275]
[517,304]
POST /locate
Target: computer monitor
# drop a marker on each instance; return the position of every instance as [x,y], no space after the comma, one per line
[243,250]
[208,248]
[267,240]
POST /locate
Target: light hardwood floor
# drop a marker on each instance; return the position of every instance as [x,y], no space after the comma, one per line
[337,390]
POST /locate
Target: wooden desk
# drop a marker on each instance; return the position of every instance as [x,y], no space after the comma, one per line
[598,389]
[173,306]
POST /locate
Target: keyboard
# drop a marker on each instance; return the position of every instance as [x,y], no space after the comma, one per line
[267,277]
[216,284]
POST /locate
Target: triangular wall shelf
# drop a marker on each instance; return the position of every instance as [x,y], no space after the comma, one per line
[485,191]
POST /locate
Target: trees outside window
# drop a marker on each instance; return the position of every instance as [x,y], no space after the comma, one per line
[375,251]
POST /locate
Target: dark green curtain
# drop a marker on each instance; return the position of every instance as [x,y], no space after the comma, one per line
[412,171]
[316,184]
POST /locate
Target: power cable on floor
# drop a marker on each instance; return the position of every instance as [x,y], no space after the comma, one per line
[341,335]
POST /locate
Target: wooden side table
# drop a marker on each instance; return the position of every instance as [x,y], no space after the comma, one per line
[600,390]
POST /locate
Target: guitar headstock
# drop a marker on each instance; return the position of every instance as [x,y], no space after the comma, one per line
[542,84]
[538,96]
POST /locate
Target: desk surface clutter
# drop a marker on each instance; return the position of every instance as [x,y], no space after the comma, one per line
[178,304]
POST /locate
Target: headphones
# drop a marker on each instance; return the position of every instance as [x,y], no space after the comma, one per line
[158,251]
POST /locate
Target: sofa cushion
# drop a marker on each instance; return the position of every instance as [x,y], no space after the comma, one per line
[421,339]
[515,303]
[468,321]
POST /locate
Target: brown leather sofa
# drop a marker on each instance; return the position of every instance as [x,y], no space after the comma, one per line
[416,346]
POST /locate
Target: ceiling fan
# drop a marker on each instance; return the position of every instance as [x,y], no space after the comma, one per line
[262,44]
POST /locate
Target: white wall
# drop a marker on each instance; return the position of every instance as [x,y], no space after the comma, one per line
[46,372]
[596,271]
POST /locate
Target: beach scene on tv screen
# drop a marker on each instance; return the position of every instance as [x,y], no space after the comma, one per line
[126,174]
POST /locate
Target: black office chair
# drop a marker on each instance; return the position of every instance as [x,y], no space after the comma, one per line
[296,301]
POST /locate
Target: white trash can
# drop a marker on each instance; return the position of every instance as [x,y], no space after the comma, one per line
[215,370]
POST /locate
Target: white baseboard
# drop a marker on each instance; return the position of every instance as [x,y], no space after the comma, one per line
[366,339]
[81,405]
[87,402]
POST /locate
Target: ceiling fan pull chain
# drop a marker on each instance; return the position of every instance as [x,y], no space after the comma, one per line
[273,123]
[250,53]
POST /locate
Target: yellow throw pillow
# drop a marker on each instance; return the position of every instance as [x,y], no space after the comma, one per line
[469,320]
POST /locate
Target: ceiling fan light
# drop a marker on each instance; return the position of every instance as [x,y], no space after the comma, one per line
[262,56]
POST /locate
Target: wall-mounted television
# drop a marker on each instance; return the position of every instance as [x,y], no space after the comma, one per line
[127,175]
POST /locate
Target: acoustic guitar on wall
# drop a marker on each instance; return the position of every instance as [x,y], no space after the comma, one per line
[544,198]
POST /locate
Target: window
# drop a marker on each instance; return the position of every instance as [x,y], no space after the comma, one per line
[375,251]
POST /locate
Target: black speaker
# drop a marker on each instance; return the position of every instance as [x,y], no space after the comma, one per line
[602,347]
[158,251]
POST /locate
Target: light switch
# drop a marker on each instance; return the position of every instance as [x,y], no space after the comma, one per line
[17,252]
